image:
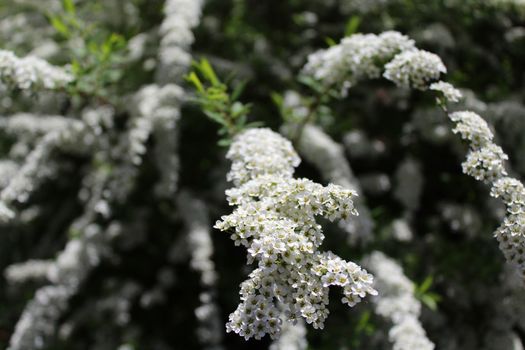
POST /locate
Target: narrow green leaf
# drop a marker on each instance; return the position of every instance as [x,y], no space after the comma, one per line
[329,41]
[352,25]
[429,302]
[69,6]
[208,72]
[224,142]
[363,322]
[277,99]
[194,79]
[425,286]
[59,26]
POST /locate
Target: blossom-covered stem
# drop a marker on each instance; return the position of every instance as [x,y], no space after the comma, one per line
[275,221]
[180,17]
[402,63]
[31,73]
[397,303]
[37,166]
[195,215]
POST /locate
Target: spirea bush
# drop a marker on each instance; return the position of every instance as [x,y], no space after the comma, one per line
[284,175]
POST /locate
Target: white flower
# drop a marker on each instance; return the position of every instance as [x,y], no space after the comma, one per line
[448,90]
[486,164]
[472,127]
[414,68]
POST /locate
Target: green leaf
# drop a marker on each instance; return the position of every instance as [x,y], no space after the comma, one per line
[329,41]
[310,82]
[237,109]
[208,72]
[352,25]
[363,322]
[253,125]
[59,26]
[224,142]
[430,302]
[194,79]
[425,286]
[241,121]
[219,118]
[69,6]
[277,99]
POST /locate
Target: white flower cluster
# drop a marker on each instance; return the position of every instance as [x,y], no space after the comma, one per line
[357,57]
[275,221]
[329,158]
[414,68]
[30,270]
[485,162]
[153,109]
[365,56]
[293,337]
[28,127]
[78,258]
[508,118]
[31,72]
[396,302]
[450,93]
[262,152]
[472,128]
[8,169]
[74,137]
[181,16]
[511,233]
[39,318]
[195,215]
[155,104]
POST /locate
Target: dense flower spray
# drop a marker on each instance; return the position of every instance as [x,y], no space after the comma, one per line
[275,221]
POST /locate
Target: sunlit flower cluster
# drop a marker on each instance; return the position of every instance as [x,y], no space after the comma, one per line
[275,221]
